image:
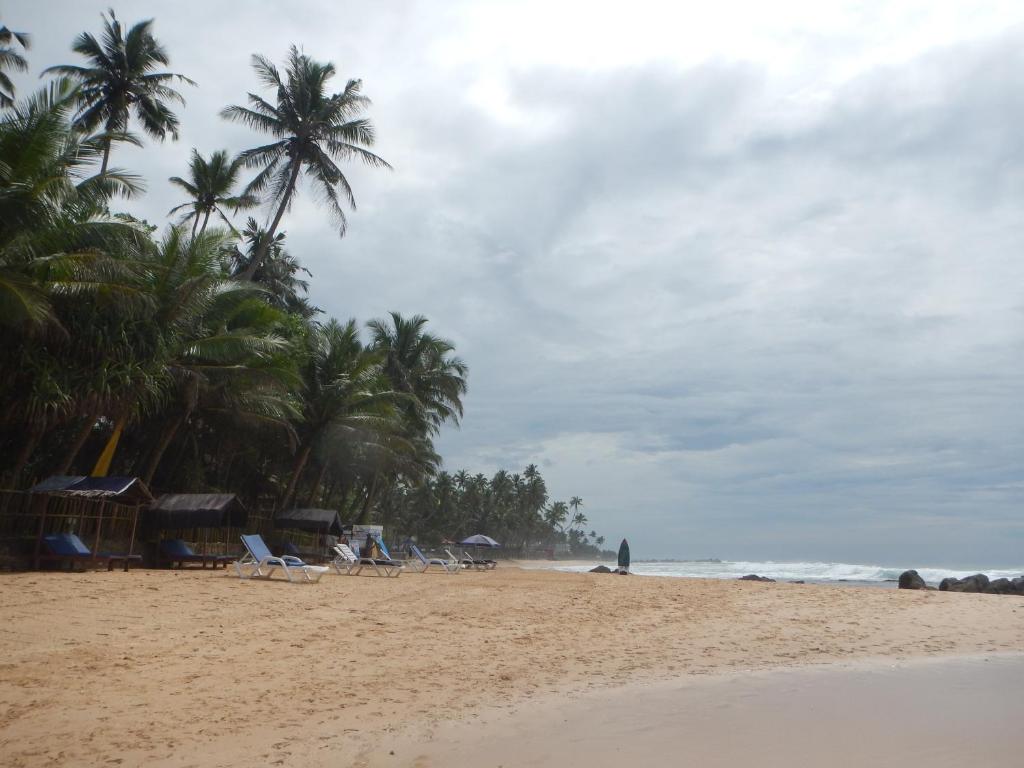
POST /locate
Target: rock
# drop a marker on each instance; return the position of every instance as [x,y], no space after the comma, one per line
[797,582]
[755,577]
[975,583]
[1000,587]
[911,580]
[601,569]
[950,584]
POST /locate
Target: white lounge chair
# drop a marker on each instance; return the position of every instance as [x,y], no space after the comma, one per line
[349,563]
[259,563]
[467,562]
[422,563]
[472,562]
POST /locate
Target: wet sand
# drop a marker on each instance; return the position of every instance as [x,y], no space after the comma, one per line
[199,669]
[944,713]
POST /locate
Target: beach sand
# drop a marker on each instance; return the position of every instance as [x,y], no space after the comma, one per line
[200,669]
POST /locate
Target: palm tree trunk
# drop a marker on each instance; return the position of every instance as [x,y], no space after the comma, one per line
[35,435]
[106,156]
[206,218]
[316,486]
[261,253]
[364,515]
[195,223]
[161,447]
[300,464]
[76,445]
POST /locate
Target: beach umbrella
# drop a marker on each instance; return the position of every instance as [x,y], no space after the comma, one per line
[479,540]
[624,555]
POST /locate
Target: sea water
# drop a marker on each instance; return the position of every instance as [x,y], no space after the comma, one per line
[811,573]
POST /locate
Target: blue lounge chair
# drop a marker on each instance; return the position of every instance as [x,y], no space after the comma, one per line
[260,563]
[173,551]
[68,548]
[422,563]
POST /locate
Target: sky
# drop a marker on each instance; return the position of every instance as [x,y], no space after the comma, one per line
[748,278]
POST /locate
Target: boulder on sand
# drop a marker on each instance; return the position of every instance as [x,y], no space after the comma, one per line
[976,583]
[755,577]
[950,584]
[601,569]
[1000,587]
[911,580]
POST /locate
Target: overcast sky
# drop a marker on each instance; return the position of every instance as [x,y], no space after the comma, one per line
[747,277]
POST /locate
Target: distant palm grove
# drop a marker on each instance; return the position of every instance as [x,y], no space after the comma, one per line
[190,354]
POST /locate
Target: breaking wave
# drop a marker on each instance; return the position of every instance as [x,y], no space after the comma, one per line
[820,573]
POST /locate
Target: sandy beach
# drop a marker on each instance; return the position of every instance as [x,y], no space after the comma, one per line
[199,669]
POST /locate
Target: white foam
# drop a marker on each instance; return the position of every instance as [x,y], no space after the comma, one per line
[813,572]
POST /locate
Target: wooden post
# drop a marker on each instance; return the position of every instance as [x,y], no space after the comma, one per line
[96,539]
[42,529]
[131,541]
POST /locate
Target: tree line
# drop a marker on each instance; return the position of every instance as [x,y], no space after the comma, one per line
[193,357]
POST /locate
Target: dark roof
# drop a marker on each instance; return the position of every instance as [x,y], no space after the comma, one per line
[312,520]
[126,490]
[196,510]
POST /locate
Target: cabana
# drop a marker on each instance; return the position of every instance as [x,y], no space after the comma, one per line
[81,505]
[194,512]
[319,522]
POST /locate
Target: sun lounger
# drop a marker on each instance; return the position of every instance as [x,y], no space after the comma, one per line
[68,548]
[422,563]
[351,564]
[478,563]
[472,562]
[259,563]
[176,551]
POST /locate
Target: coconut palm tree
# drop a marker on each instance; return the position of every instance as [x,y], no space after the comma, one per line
[346,396]
[313,130]
[53,230]
[279,273]
[210,184]
[11,59]
[575,503]
[421,365]
[220,346]
[121,81]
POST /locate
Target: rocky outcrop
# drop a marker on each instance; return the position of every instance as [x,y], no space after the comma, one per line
[601,569]
[755,577]
[979,582]
[976,583]
[1000,587]
[911,580]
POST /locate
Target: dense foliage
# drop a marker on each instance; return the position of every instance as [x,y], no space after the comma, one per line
[195,353]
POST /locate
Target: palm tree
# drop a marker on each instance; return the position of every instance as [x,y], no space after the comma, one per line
[210,185]
[120,80]
[421,365]
[11,59]
[312,130]
[575,503]
[52,227]
[217,352]
[279,274]
[346,396]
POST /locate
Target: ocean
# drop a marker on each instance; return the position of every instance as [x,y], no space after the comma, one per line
[811,573]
